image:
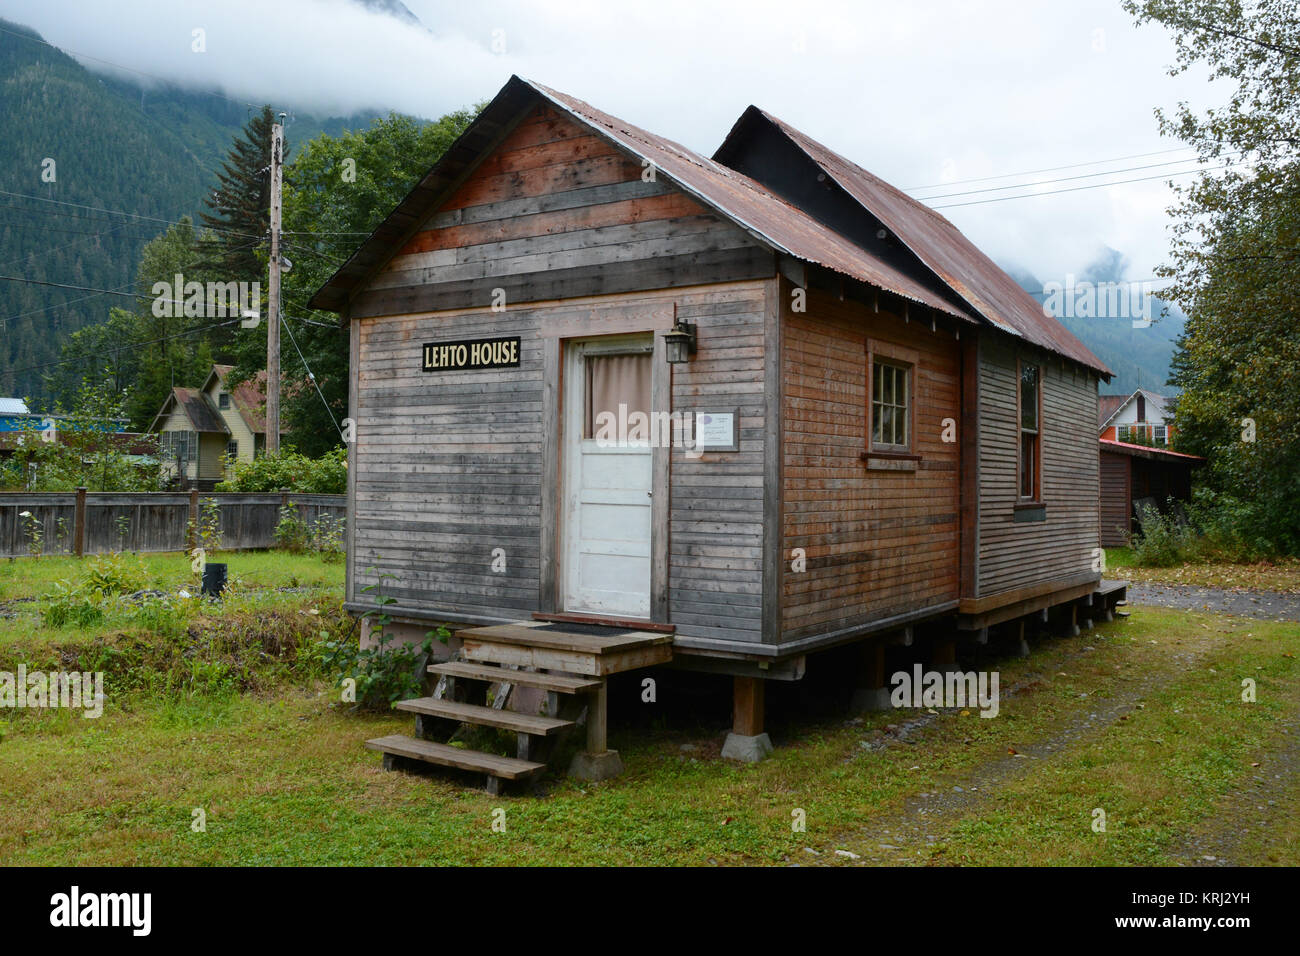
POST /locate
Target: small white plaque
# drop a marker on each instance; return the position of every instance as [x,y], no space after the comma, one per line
[716,431]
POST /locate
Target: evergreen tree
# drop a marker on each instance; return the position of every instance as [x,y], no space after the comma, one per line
[241,202]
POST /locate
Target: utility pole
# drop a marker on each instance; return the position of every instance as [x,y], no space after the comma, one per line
[273,299]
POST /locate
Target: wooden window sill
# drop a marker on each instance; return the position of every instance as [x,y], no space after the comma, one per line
[890,460]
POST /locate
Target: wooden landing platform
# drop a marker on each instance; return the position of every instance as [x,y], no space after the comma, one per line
[573,648]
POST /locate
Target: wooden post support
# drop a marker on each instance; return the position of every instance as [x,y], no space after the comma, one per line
[193,530]
[748,699]
[876,665]
[596,726]
[79,524]
[945,654]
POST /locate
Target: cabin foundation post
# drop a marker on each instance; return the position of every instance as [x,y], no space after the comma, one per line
[873,694]
[597,762]
[1022,643]
[747,741]
[1072,628]
[944,654]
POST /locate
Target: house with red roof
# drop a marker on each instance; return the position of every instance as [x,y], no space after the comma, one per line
[203,430]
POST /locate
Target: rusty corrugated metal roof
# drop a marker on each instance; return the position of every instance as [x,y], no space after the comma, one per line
[768,217]
[942,248]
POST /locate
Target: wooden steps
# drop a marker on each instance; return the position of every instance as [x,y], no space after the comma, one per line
[485,716]
[573,648]
[445,755]
[567,660]
[557,683]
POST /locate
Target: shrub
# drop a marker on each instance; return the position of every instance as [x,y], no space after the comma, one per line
[1163,540]
[385,672]
[291,471]
[291,532]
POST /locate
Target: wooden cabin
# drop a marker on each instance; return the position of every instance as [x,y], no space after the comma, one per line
[878,429]
[1135,478]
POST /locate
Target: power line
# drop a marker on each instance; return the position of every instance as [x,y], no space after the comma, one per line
[1063,179]
[94,295]
[312,376]
[1074,189]
[118,212]
[124,348]
[1048,169]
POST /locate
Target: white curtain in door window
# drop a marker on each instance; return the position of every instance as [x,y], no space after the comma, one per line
[614,380]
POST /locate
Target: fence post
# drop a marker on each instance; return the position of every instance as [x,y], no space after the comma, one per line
[79,524]
[193,529]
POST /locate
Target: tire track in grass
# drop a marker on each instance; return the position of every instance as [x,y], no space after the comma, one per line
[923,821]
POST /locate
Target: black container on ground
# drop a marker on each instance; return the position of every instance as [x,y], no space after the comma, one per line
[214,580]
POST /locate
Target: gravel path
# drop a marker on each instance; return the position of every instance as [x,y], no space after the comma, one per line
[1265,605]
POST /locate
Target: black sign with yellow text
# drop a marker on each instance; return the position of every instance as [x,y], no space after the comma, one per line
[470,354]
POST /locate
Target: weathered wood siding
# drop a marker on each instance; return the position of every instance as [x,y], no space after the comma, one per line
[878,543]
[449,466]
[1114,500]
[1019,554]
[716,535]
[556,211]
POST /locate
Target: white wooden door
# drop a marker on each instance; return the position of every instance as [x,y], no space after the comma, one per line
[606,539]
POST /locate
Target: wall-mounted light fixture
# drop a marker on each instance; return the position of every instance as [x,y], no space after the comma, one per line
[679,343]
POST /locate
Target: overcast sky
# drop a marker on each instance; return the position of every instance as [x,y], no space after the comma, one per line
[920,93]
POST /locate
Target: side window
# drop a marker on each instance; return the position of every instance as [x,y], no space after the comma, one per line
[891,401]
[223,401]
[891,406]
[1160,435]
[1030,403]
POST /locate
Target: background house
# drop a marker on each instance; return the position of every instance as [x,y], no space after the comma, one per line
[202,427]
[1139,418]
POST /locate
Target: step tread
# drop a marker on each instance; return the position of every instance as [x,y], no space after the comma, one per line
[615,641]
[484,716]
[448,756]
[555,682]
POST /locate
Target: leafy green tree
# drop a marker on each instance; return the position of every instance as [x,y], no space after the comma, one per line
[81,447]
[337,190]
[1235,255]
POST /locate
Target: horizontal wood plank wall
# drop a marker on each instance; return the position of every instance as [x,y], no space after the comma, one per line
[1114,500]
[1015,554]
[878,543]
[449,465]
[716,530]
[556,212]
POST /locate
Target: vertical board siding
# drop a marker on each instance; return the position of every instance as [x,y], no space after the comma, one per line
[878,543]
[1115,522]
[1014,554]
[151,521]
[449,465]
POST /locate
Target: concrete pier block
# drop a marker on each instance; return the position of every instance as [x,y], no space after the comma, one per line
[747,749]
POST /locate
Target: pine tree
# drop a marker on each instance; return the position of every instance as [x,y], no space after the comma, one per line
[240,204]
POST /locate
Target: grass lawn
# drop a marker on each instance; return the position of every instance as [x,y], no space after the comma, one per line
[1281,575]
[1141,718]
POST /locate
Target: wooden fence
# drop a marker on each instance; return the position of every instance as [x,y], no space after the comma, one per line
[96,523]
